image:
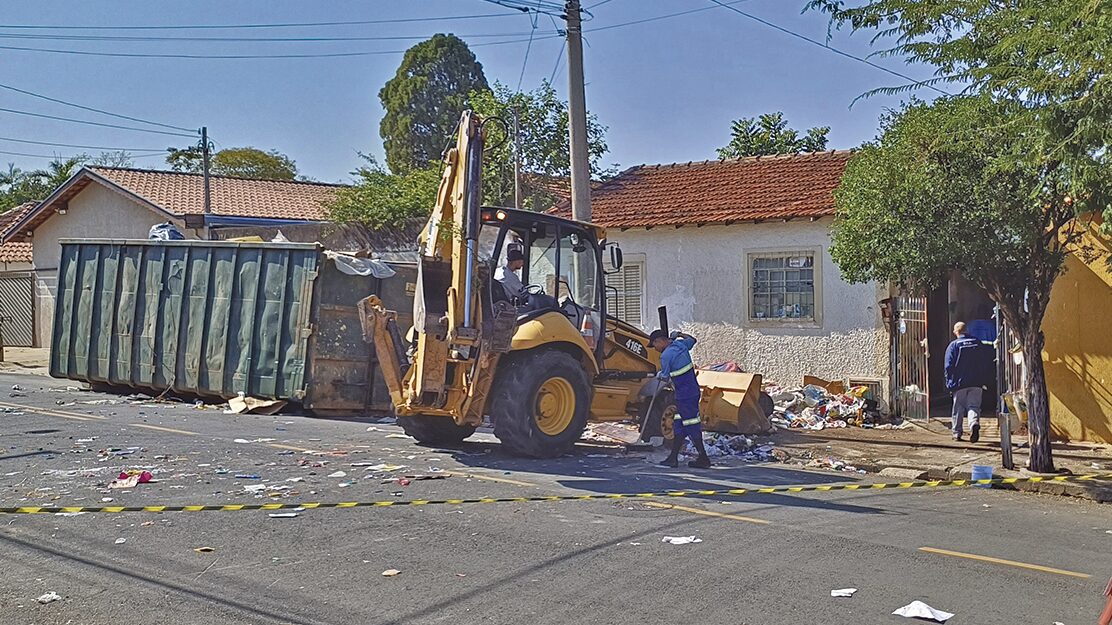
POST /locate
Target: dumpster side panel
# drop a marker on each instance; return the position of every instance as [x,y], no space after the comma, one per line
[344,377]
[197,317]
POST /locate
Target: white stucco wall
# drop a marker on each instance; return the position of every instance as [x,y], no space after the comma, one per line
[95,213]
[701,275]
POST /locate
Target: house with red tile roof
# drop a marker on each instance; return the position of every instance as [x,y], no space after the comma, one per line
[123,203]
[17,310]
[739,252]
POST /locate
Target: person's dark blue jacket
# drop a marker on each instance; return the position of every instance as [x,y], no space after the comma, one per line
[968,363]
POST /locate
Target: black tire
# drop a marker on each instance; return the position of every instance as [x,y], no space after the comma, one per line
[516,403]
[435,430]
[659,421]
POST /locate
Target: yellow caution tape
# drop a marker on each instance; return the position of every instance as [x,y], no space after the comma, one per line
[732,492]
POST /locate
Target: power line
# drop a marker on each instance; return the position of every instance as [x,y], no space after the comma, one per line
[314,55]
[83,147]
[559,57]
[163,38]
[103,125]
[597,4]
[826,47]
[235,26]
[658,17]
[525,6]
[91,109]
[528,47]
[60,156]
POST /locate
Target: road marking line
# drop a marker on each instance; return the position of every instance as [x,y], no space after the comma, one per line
[503,480]
[700,511]
[162,429]
[1022,565]
[291,447]
[54,413]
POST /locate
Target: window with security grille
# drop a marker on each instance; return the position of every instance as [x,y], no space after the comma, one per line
[624,292]
[782,286]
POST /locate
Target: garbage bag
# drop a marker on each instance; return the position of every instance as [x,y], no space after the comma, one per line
[165,232]
[360,266]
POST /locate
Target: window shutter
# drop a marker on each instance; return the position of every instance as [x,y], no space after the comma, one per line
[626,303]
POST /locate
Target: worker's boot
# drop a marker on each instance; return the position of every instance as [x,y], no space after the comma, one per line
[673,459]
[703,461]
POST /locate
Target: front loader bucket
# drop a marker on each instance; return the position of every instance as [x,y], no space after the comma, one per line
[731,403]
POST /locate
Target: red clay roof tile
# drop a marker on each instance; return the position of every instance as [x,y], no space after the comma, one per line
[748,189]
[183,193]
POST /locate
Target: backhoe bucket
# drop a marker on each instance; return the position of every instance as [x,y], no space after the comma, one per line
[731,403]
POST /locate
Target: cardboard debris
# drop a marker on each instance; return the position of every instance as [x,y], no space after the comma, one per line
[254,405]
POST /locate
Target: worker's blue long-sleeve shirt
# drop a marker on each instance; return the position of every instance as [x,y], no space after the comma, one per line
[675,363]
[968,363]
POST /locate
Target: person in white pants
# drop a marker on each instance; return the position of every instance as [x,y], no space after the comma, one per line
[968,364]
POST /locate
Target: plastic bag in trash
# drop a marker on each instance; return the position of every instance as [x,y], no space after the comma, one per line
[360,266]
[165,232]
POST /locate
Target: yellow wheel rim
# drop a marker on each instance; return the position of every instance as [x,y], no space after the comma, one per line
[666,419]
[555,406]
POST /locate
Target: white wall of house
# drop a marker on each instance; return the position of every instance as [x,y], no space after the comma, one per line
[703,275]
[97,212]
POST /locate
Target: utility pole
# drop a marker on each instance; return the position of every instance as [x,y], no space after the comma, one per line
[517,161]
[205,168]
[577,116]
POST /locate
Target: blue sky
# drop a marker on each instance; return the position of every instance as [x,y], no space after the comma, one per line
[666,89]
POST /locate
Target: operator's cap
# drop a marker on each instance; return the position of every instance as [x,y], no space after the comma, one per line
[657,334]
[514,254]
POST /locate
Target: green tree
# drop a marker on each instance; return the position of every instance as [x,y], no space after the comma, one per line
[245,162]
[1048,63]
[769,134]
[543,127]
[424,99]
[18,186]
[949,186]
[379,198]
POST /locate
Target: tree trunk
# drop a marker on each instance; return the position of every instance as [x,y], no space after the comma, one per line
[1038,404]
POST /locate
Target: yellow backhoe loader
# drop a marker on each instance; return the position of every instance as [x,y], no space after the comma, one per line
[540,362]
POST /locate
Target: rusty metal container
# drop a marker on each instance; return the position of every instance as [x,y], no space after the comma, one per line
[214,319]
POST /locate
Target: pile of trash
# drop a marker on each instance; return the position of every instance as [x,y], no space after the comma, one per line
[814,407]
[739,446]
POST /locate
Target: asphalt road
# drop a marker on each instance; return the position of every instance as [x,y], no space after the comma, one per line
[988,556]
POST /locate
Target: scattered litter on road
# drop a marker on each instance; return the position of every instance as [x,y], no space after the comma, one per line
[69,513]
[282,515]
[49,598]
[246,476]
[120,541]
[254,488]
[385,467]
[295,479]
[391,573]
[681,540]
[241,441]
[403,482]
[337,474]
[398,436]
[130,479]
[918,609]
[204,549]
[843,592]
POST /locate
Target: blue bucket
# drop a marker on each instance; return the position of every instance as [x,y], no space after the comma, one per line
[982,472]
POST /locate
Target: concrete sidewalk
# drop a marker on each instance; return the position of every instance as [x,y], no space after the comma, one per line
[29,360]
[922,453]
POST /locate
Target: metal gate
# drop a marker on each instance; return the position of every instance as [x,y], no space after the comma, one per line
[17,309]
[910,378]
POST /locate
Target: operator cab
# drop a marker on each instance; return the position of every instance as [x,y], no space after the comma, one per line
[562,264]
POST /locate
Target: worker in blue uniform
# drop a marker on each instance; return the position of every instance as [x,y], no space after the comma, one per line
[676,365]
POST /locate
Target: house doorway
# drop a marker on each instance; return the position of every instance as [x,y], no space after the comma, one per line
[956,300]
